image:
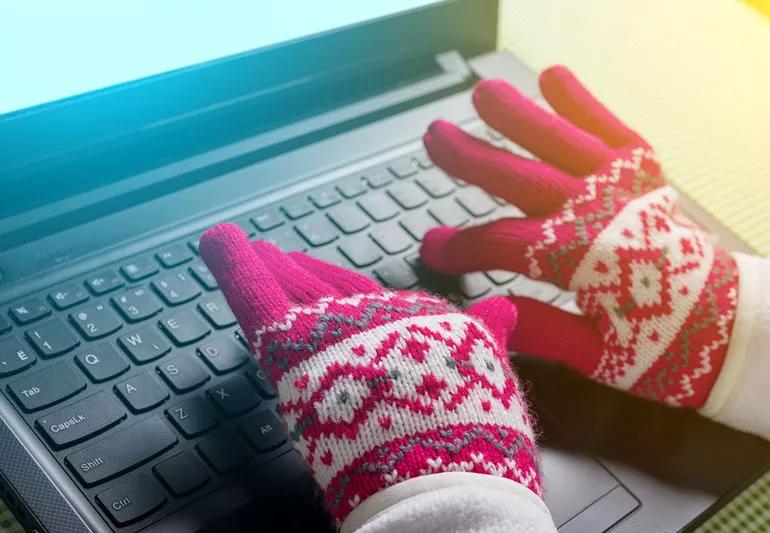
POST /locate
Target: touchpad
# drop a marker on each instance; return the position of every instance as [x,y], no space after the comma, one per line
[581,494]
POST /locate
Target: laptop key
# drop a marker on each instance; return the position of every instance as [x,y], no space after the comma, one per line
[267,219]
[131,500]
[5,324]
[204,276]
[352,187]
[144,345]
[259,380]
[224,451]
[397,274]
[182,474]
[408,195]
[332,255]
[325,198]
[52,338]
[422,159]
[195,245]
[449,213]
[47,387]
[379,207]
[474,285]
[217,312]
[391,238]
[501,277]
[95,321]
[263,430]
[435,183]
[418,224]
[317,231]
[141,392]
[80,420]
[286,239]
[193,417]
[121,451]
[223,355]
[234,396]
[139,269]
[14,356]
[29,311]
[476,202]
[361,251]
[403,167]
[66,297]
[297,208]
[173,255]
[101,363]
[183,373]
[176,289]
[137,304]
[378,177]
[104,282]
[348,218]
[185,327]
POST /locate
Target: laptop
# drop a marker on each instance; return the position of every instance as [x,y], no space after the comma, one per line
[129,401]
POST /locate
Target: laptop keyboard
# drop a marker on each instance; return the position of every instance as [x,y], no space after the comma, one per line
[136,377]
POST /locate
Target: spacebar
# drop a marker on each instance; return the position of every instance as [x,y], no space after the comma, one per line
[121,451]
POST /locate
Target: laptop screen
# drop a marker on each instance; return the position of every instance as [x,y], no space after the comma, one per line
[76,47]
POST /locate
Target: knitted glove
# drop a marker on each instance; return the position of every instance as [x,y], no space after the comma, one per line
[376,387]
[659,298]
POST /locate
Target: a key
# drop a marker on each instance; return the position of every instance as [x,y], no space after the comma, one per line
[435,183]
[297,208]
[325,198]
[193,417]
[476,202]
[173,255]
[29,311]
[95,321]
[352,187]
[144,345]
[331,254]
[263,430]
[391,238]
[217,312]
[182,474]
[317,231]
[223,355]
[101,363]
[417,224]
[474,285]
[139,269]
[46,387]
[267,219]
[449,213]
[378,177]
[104,282]
[348,218]
[204,276]
[185,327]
[422,159]
[233,396]
[52,338]
[14,356]
[80,420]
[224,451]
[258,378]
[176,288]
[121,451]
[408,195]
[67,296]
[396,273]
[500,277]
[379,207]
[361,251]
[403,167]
[5,324]
[141,392]
[183,373]
[132,499]
[286,239]
[137,304]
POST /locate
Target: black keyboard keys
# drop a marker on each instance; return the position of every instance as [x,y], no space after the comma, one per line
[263,430]
[259,380]
[184,327]
[104,282]
[5,324]
[224,451]
[137,304]
[234,396]
[348,218]
[29,311]
[67,296]
[183,373]
[141,392]
[317,231]
[217,312]
[176,288]
[121,451]
[14,356]
[96,321]
[139,269]
[101,362]
[81,420]
[223,355]
[51,385]
[144,345]
[182,474]
[193,417]
[361,251]
[52,338]
[174,255]
[379,207]
[132,499]
[204,276]
[408,195]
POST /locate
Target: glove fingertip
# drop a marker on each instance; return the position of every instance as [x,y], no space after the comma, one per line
[499,314]
[433,251]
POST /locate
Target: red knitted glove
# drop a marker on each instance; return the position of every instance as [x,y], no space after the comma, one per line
[376,387]
[658,296]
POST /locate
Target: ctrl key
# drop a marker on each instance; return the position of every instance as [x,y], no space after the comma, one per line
[132,500]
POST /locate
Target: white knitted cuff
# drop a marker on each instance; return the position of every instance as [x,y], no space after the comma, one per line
[741,394]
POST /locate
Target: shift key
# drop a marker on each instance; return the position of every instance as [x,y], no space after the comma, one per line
[81,420]
[121,451]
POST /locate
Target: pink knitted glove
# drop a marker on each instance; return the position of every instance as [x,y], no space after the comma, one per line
[658,296]
[376,387]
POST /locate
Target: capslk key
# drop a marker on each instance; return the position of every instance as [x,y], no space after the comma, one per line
[81,420]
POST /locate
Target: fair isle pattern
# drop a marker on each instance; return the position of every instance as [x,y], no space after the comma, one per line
[663,295]
[382,387]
